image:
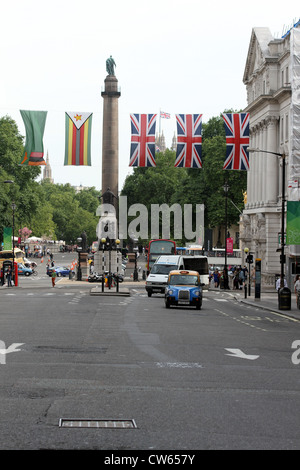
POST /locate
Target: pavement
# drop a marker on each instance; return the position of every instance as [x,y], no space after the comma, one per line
[268,301]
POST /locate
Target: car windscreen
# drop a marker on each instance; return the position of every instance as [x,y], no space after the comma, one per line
[183,280]
[162,268]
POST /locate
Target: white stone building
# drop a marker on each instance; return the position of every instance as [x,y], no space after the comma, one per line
[271,85]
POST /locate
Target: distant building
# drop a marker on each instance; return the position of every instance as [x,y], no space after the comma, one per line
[160,142]
[81,188]
[174,143]
[47,173]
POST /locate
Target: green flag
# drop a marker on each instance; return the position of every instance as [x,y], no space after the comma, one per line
[7,238]
[293,223]
[34,150]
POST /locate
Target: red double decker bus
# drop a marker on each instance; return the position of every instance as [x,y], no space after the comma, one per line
[159,247]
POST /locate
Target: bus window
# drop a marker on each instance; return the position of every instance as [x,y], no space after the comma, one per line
[159,247]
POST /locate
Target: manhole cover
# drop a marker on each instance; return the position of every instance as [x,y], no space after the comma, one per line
[97,423]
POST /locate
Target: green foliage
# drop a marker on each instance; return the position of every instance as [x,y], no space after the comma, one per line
[167,184]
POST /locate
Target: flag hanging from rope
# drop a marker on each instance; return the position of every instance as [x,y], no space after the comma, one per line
[78,128]
[34,122]
[237,141]
[142,149]
[189,140]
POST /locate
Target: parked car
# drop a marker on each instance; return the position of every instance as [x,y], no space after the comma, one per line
[23,270]
[60,270]
[184,288]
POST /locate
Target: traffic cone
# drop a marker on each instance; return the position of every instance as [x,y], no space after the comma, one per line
[42,259]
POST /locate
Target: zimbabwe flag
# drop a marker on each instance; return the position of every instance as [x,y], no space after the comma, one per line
[78,139]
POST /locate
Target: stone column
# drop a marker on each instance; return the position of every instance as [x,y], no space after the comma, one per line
[253,172]
[272,162]
[260,158]
[264,163]
[250,172]
[110,140]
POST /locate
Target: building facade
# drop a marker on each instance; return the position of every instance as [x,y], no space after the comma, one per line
[269,83]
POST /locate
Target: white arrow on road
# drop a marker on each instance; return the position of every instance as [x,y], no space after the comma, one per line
[12,348]
[241,354]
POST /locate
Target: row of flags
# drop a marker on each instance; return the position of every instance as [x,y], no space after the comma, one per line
[78,128]
[189,140]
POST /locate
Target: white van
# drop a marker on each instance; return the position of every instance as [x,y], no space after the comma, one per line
[158,276]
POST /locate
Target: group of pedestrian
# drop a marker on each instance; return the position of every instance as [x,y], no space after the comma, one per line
[239,277]
[219,279]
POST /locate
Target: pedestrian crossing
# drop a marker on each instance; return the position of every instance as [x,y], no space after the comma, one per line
[54,293]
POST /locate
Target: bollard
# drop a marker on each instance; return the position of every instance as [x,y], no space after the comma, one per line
[245,291]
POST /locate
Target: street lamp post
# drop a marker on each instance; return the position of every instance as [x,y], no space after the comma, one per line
[282,256]
[225,276]
[249,259]
[79,250]
[13,206]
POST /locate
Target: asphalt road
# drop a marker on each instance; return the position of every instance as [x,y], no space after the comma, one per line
[219,378]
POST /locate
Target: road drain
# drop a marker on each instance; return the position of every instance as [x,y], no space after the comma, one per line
[97,423]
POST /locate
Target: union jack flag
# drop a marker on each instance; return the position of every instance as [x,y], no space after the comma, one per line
[142,150]
[165,115]
[189,140]
[237,141]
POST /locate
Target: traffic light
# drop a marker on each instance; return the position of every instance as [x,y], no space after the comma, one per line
[249,259]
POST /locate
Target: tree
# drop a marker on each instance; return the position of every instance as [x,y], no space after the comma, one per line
[156,185]
[166,184]
[22,190]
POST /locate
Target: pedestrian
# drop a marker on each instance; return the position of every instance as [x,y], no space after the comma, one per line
[2,276]
[216,278]
[236,279]
[297,279]
[8,277]
[297,287]
[278,282]
[53,277]
[253,275]
[241,278]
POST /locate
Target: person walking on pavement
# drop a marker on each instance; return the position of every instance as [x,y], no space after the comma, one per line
[53,277]
[278,282]
[8,277]
[297,288]
[216,278]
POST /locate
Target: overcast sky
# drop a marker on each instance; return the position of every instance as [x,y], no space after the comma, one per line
[175,56]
